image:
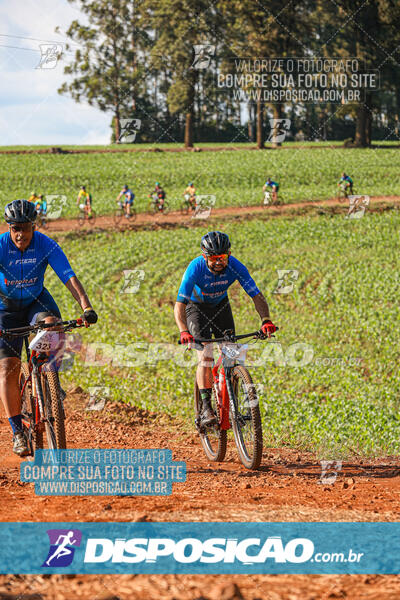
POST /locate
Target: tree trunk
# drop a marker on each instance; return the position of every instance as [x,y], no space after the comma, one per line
[189,129]
[250,123]
[117,124]
[278,114]
[189,121]
[363,124]
[260,125]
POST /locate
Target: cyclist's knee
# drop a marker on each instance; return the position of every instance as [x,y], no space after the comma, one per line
[9,368]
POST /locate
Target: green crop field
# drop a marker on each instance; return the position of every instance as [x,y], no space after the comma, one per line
[235,177]
[329,379]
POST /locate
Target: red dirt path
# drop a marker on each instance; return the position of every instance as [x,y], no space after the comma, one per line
[286,488]
[106,222]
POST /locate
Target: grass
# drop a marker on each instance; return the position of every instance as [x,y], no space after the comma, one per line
[341,400]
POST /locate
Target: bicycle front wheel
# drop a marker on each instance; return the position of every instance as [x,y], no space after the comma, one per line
[28,410]
[81,218]
[213,439]
[118,216]
[92,217]
[247,428]
[185,207]
[54,410]
[152,207]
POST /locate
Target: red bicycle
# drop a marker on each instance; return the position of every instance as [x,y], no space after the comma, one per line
[235,404]
[42,397]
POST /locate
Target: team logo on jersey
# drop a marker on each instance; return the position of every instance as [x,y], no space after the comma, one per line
[25,282]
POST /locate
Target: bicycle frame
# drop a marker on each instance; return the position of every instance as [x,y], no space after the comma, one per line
[225,397]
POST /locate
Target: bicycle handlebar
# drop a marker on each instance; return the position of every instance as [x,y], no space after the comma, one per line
[234,338]
[24,331]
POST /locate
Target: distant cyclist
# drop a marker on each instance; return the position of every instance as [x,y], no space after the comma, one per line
[202,307]
[24,257]
[346,183]
[41,205]
[129,197]
[273,186]
[190,194]
[85,199]
[33,197]
[159,193]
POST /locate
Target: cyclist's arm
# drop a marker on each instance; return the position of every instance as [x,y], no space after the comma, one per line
[119,196]
[184,295]
[180,316]
[261,306]
[77,291]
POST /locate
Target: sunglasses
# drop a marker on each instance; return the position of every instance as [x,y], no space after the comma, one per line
[17,228]
[213,259]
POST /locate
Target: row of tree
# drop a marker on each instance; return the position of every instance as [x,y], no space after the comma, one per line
[136,60]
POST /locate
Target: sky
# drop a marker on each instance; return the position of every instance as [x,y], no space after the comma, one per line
[31,110]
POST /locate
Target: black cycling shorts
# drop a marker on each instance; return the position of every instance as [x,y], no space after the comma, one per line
[205,319]
[42,307]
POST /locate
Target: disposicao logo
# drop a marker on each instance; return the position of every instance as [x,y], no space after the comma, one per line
[190,550]
[62,547]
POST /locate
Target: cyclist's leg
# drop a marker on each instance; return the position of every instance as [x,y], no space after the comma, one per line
[198,321]
[199,326]
[10,364]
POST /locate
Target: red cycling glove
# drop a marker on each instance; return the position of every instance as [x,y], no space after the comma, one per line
[186,337]
[267,329]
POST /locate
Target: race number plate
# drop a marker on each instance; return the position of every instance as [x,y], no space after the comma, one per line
[46,341]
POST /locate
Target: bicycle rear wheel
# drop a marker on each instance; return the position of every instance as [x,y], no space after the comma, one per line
[247,428]
[213,439]
[28,409]
[54,410]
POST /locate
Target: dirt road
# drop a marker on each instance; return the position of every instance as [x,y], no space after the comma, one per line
[286,488]
[144,220]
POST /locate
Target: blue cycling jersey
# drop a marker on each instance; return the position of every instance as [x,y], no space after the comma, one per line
[22,273]
[199,284]
[346,178]
[129,195]
[271,183]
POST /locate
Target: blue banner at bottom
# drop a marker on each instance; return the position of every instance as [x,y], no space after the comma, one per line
[200,548]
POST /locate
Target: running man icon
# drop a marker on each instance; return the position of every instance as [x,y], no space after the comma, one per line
[61,553]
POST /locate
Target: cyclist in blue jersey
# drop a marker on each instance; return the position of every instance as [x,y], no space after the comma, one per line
[128,200]
[24,256]
[347,183]
[202,307]
[274,186]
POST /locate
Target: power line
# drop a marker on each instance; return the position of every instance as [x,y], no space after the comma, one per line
[24,37]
